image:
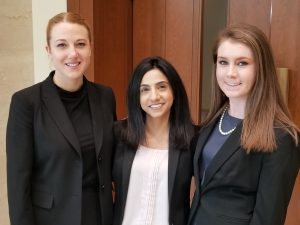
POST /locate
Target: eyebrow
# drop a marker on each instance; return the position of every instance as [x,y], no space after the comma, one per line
[160,82]
[238,58]
[61,39]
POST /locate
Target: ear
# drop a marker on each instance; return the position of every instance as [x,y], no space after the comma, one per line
[91,49]
[48,49]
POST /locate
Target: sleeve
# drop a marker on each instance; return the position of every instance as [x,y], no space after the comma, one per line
[19,149]
[277,179]
[193,145]
[113,100]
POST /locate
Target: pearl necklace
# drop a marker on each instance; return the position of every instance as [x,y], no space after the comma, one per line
[220,124]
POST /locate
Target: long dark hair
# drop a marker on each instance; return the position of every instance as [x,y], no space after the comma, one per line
[181,125]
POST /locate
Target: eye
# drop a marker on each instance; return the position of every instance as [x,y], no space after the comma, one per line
[222,62]
[242,63]
[81,44]
[144,89]
[162,86]
[61,45]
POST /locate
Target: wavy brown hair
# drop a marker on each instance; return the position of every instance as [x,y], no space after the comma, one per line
[265,107]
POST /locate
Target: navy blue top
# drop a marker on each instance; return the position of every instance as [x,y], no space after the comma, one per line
[216,140]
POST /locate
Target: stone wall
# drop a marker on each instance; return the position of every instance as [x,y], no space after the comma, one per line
[16,72]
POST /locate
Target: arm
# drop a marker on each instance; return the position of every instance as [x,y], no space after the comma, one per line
[19,147]
[278,175]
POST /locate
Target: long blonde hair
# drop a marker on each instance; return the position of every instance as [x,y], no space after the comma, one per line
[265,107]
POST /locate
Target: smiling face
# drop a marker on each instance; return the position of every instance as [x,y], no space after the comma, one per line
[156,96]
[70,50]
[235,70]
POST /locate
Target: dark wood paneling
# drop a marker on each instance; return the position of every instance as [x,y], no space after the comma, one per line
[183,28]
[111,26]
[113,47]
[73,5]
[171,29]
[196,78]
[86,12]
[149,28]
[127,31]
[285,35]
[293,214]
[255,12]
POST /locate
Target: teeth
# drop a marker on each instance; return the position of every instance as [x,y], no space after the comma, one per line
[233,84]
[156,106]
[72,64]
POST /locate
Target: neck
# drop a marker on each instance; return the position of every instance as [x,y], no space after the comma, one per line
[237,110]
[67,84]
[157,133]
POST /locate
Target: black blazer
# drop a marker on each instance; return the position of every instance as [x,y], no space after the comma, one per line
[44,164]
[180,169]
[244,189]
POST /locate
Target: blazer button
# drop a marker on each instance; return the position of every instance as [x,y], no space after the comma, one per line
[99,158]
[102,187]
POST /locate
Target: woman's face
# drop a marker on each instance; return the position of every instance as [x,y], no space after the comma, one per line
[235,70]
[156,95]
[70,51]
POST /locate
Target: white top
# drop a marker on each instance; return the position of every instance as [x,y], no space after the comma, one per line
[147,199]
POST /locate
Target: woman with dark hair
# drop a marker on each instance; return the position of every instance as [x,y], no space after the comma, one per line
[247,155]
[60,138]
[153,164]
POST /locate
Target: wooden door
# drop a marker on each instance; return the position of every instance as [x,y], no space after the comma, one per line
[125,31]
[111,24]
[171,29]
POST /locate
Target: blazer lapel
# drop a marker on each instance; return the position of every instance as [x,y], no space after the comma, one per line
[172,168]
[57,111]
[97,115]
[231,145]
[129,155]
[203,136]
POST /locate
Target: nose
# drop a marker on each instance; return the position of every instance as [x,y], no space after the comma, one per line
[232,71]
[73,52]
[154,94]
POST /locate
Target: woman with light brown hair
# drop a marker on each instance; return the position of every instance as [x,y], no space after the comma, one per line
[247,155]
[60,137]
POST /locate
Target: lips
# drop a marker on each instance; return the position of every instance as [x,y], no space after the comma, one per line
[73,64]
[155,106]
[233,84]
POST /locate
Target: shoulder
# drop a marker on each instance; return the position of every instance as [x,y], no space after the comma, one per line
[284,138]
[28,95]
[101,93]
[287,150]
[100,88]
[120,127]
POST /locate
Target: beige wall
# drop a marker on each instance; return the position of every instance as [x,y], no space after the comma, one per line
[16,71]
[22,62]
[42,11]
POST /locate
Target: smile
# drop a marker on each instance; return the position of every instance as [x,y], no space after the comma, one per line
[233,84]
[156,106]
[73,64]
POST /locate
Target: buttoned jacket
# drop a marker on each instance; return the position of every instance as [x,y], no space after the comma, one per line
[44,160]
[180,171]
[244,188]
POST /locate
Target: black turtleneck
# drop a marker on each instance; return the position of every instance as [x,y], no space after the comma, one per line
[77,106]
